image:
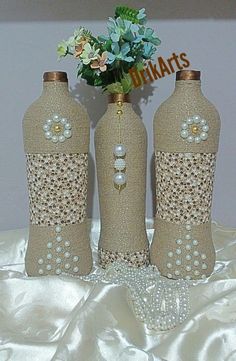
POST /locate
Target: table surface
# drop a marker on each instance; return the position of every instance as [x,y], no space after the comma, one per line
[62,318]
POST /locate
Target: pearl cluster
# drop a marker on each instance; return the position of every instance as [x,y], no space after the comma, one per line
[161,303]
[194,129]
[186,254]
[57,129]
[64,259]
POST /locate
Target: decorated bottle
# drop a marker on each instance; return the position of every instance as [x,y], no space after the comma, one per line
[121,151]
[56,142]
[186,137]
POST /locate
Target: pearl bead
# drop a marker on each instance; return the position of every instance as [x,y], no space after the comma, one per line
[178,251]
[184,134]
[120,164]
[67,133]
[58,229]
[49,245]
[75,258]
[58,260]
[190,139]
[67,243]
[188,227]
[49,267]
[119,178]
[119,150]
[46,127]
[204,266]
[189,121]
[188,257]
[169,265]
[197,273]
[203,136]
[196,263]
[56,117]
[67,254]
[203,122]
[184,126]
[188,247]
[67,266]
[203,256]
[203,276]
[177,272]
[49,256]
[49,121]
[205,128]
[195,242]
[58,271]
[63,121]
[58,249]
[188,268]
[40,261]
[178,262]
[61,138]
[188,278]
[188,236]
[196,253]
[179,241]
[54,139]
[67,126]
[169,275]
[196,119]
[197,139]
[58,238]
[76,269]
[41,271]
[48,135]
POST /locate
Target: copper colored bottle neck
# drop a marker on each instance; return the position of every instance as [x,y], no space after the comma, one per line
[119,97]
[188,75]
[52,76]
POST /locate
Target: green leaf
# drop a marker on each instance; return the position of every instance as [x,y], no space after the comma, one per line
[115,88]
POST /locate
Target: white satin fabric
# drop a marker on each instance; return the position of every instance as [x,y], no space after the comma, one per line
[66,319]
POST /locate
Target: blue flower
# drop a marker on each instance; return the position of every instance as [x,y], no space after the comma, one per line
[119,53]
[148,50]
[142,16]
[150,36]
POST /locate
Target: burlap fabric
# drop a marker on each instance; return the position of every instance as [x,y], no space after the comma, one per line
[122,213]
[186,101]
[56,99]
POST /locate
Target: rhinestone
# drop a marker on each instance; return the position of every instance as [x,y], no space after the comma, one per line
[58,271]
[49,267]
[203,256]
[67,266]
[40,261]
[195,242]
[75,259]
[58,229]
[179,241]
[58,249]
[67,254]
[67,243]
[178,251]
[204,266]
[49,256]
[58,260]
[170,254]
[169,265]
[76,269]
[41,271]
[196,253]
[49,245]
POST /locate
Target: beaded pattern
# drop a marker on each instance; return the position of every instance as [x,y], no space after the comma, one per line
[135,259]
[59,257]
[57,188]
[184,184]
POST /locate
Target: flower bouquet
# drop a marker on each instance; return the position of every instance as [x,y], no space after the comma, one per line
[104,61]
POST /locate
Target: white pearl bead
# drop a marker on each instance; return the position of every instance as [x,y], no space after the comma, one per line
[190,139]
[197,273]
[188,278]
[56,118]
[49,256]
[58,271]
[184,126]
[203,276]
[58,238]
[177,273]
[184,134]
[55,138]
[179,241]
[119,178]
[76,269]
[188,247]
[40,261]
[188,227]
[75,258]
[188,268]
[203,122]
[169,265]
[178,262]
[67,126]
[196,253]
[67,266]
[49,267]
[188,257]
[189,121]
[203,256]
[49,121]
[67,243]
[46,127]
[195,242]
[41,271]
[67,254]
[205,128]
[58,229]
[63,121]
[61,138]
[204,266]
[58,260]
[58,249]
[120,164]
[169,275]
[196,119]
[203,136]
[119,150]
[67,133]
[178,251]
[196,263]
[48,135]
[188,236]
[197,139]
[49,245]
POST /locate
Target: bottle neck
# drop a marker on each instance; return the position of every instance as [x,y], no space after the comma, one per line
[189,87]
[54,88]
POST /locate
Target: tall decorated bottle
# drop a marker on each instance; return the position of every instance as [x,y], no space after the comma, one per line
[186,137]
[56,141]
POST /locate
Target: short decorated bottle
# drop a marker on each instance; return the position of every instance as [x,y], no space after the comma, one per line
[56,142]
[121,151]
[186,137]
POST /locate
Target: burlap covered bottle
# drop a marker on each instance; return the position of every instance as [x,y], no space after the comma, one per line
[56,141]
[121,150]
[186,136]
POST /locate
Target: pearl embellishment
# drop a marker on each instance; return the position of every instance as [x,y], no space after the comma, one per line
[57,129]
[194,129]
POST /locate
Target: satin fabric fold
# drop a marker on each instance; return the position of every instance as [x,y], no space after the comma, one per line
[62,318]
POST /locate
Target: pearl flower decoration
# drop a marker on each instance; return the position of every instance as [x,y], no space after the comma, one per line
[194,129]
[57,129]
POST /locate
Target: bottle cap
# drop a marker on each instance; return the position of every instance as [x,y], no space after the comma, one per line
[55,76]
[188,75]
[118,97]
